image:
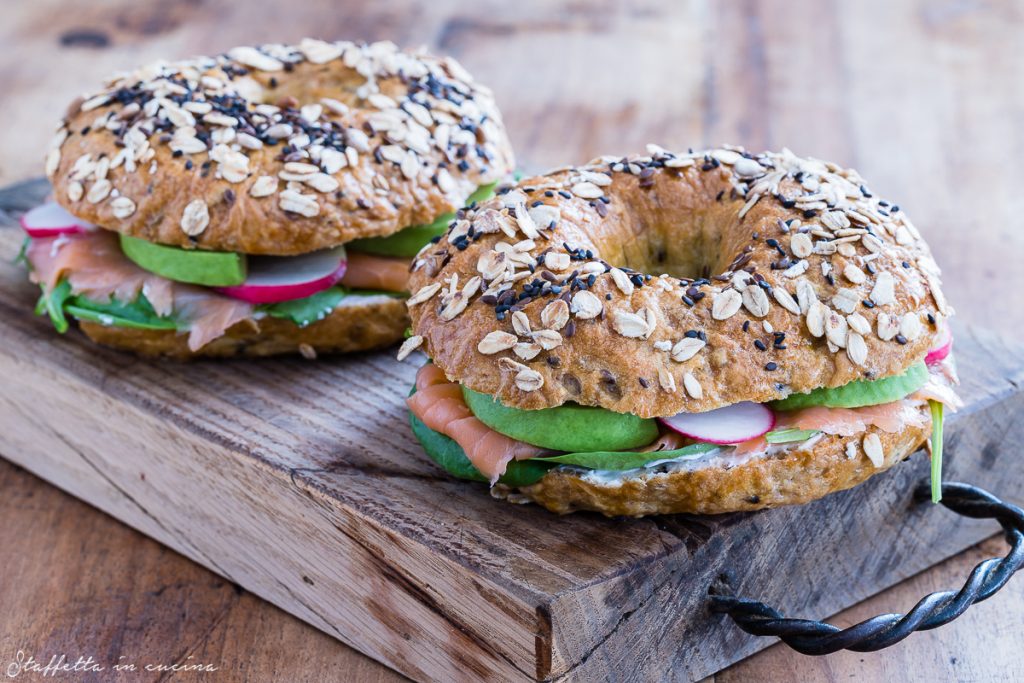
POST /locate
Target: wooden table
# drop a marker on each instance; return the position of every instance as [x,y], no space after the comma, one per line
[923,98]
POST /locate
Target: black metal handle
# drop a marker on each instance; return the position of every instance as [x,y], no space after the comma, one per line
[818,638]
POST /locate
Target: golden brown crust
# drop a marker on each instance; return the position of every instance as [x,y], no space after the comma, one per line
[378,322]
[788,246]
[790,477]
[348,141]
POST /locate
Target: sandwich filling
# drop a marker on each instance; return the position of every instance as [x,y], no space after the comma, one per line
[475,437]
[111,279]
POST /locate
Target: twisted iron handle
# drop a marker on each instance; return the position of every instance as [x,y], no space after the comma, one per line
[818,638]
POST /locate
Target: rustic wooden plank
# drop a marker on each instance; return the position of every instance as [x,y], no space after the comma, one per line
[283,477]
[148,606]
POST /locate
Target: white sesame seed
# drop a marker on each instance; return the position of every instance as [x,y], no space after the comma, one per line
[692,386]
[836,329]
[529,380]
[496,342]
[585,305]
[424,293]
[755,300]
[856,348]
[99,191]
[873,449]
[587,190]
[409,345]
[521,324]
[555,315]
[726,304]
[883,293]
[910,326]
[250,56]
[296,202]
[122,207]
[666,381]
[801,246]
[686,348]
[195,218]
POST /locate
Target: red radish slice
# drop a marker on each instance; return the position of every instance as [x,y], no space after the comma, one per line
[50,220]
[272,279]
[939,353]
[732,424]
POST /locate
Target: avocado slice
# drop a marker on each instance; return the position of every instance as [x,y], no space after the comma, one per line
[408,241]
[860,393]
[209,268]
[569,427]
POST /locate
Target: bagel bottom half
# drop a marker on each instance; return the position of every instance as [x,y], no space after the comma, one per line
[790,476]
[357,324]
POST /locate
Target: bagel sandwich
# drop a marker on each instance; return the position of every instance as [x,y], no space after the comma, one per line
[267,200]
[704,332]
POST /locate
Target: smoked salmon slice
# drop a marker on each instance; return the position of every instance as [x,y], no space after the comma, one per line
[439,404]
[889,417]
[97,269]
[367,271]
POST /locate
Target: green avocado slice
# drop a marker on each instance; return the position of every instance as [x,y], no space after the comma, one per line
[209,268]
[860,393]
[408,241]
[565,428]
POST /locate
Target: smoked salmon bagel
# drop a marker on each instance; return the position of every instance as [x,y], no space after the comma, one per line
[269,198]
[703,332]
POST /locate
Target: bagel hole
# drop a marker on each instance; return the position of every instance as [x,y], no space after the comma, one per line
[680,248]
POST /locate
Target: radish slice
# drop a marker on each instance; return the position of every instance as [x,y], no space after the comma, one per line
[272,279]
[732,424]
[50,220]
[939,353]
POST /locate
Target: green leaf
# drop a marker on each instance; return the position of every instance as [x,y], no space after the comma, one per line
[22,256]
[407,242]
[937,419]
[123,317]
[789,435]
[52,303]
[309,309]
[138,314]
[627,460]
[860,392]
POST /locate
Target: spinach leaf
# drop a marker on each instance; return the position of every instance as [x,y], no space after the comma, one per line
[308,310]
[138,314]
[22,256]
[627,460]
[937,410]
[52,303]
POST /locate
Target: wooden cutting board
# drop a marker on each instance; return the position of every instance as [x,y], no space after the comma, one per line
[301,482]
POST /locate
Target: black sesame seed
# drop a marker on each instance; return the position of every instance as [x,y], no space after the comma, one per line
[760,345]
[900,339]
[771,366]
[746,325]
[692,334]
[868,303]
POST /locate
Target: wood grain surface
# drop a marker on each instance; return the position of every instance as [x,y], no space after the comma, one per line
[923,97]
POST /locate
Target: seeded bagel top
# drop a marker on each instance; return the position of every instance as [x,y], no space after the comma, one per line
[279,149]
[661,283]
